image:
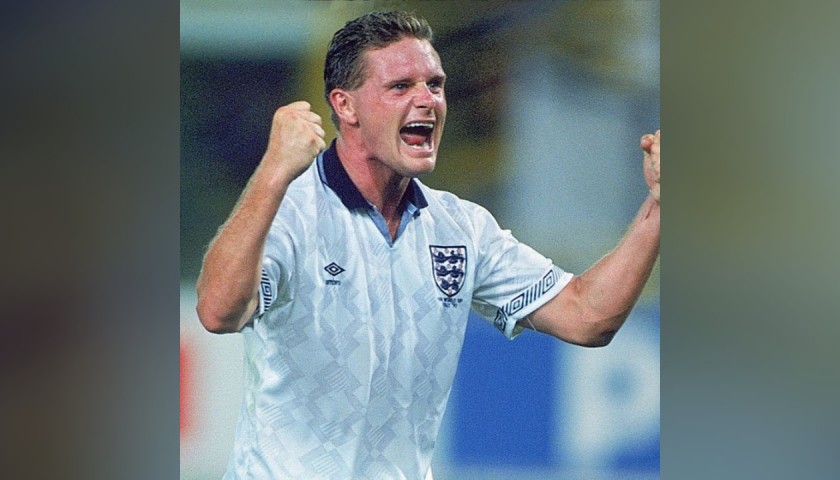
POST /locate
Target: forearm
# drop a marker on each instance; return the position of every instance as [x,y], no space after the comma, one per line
[593,306]
[227,286]
[228,283]
[612,286]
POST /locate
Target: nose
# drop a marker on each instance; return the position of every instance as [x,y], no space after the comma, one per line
[425,98]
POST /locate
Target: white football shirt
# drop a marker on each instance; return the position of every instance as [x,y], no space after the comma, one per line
[351,356]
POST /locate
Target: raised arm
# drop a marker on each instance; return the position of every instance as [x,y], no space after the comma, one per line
[593,306]
[230,274]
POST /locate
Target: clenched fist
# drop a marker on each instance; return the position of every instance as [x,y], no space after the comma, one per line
[650,144]
[295,140]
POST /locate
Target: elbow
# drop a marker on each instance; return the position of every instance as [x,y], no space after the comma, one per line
[213,320]
[598,338]
[593,335]
[572,318]
[598,332]
[602,330]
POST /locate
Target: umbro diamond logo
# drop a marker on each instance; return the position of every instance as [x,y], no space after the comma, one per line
[334,269]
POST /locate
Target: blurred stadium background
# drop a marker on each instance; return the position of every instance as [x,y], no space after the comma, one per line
[547,101]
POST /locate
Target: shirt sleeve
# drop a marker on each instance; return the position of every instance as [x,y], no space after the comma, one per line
[512,279]
[277,267]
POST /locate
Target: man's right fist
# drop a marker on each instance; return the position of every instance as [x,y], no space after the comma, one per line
[295,140]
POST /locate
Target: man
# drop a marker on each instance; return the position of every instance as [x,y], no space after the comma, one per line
[351,281]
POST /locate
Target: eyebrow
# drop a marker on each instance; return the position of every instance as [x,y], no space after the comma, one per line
[438,77]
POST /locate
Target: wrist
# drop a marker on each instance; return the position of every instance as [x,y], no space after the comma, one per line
[283,167]
[270,181]
[651,207]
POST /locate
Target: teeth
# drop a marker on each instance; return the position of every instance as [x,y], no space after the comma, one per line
[421,125]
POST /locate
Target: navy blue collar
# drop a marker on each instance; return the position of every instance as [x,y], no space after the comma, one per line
[339,181]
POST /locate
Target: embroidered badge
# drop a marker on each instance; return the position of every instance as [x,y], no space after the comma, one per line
[449,267]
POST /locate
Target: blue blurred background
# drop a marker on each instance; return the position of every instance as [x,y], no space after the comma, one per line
[547,101]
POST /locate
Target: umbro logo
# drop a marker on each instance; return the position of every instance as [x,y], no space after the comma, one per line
[334,269]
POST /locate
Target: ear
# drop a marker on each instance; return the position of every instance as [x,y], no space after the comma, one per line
[343,104]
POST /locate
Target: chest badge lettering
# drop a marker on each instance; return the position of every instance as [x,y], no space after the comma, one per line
[449,267]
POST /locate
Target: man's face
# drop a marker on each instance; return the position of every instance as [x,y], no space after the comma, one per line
[401,107]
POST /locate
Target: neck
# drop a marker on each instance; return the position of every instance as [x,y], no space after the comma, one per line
[378,184]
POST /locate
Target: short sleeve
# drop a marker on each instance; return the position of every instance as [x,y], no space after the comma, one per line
[277,267]
[268,290]
[512,279]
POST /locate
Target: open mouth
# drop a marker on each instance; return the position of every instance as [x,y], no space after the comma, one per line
[418,134]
